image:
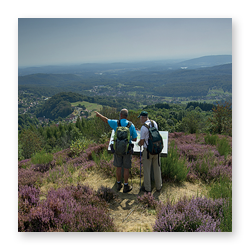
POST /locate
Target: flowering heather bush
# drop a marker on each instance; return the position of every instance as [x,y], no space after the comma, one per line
[28,177]
[204,161]
[148,200]
[88,219]
[62,157]
[195,215]
[107,168]
[135,166]
[86,196]
[74,209]
[210,168]
[43,167]
[28,195]
[24,163]
[106,193]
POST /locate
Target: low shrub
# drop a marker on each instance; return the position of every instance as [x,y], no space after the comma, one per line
[173,167]
[28,177]
[223,147]
[106,193]
[211,139]
[70,209]
[24,163]
[223,189]
[148,200]
[78,146]
[195,215]
[41,158]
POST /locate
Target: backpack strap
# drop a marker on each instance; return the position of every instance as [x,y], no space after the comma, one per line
[129,124]
[146,125]
[152,123]
[119,124]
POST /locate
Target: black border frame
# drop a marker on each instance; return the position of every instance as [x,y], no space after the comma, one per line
[234,238]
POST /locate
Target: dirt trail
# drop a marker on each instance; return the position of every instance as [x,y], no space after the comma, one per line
[128,214]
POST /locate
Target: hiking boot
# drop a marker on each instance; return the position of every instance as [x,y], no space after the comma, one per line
[119,186]
[127,188]
[144,190]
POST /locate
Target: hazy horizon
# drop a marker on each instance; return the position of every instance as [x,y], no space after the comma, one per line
[67,41]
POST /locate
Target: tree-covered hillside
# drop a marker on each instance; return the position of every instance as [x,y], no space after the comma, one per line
[59,105]
[165,82]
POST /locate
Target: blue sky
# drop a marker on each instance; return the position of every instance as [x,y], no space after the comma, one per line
[48,41]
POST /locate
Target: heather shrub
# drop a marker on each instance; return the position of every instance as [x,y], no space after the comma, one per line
[173,167]
[107,168]
[28,177]
[223,147]
[106,193]
[135,166]
[86,196]
[43,167]
[148,200]
[28,195]
[87,219]
[24,163]
[211,139]
[195,215]
[70,209]
[102,156]
[41,158]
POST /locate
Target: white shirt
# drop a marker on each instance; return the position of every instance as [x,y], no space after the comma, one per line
[145,133]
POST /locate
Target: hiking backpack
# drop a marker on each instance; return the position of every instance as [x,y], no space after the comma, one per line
[122,139]
[155,142]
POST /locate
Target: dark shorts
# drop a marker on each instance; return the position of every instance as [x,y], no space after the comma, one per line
[124,161]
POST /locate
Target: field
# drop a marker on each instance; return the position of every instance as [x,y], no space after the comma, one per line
[76,191]
[90,107]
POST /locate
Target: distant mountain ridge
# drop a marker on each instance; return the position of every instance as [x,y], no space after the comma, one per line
[205,61]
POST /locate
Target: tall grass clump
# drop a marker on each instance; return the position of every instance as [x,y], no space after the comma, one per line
[211,139]
[173,167]
[223,147]
[223,189]
[41,158]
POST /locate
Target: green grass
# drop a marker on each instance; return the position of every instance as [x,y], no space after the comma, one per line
[223,189]
[89,106]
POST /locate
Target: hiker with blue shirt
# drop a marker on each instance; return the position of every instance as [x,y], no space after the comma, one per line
[122,159]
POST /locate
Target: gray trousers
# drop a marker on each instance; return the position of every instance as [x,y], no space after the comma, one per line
[153,160]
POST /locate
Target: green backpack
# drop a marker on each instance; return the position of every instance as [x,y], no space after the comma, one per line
[122,139]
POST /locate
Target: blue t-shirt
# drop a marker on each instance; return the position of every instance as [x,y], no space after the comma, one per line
[124,123]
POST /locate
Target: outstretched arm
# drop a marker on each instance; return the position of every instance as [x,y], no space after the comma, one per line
[103,118]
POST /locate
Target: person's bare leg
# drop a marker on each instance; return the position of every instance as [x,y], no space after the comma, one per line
[118,174]
[126,175]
